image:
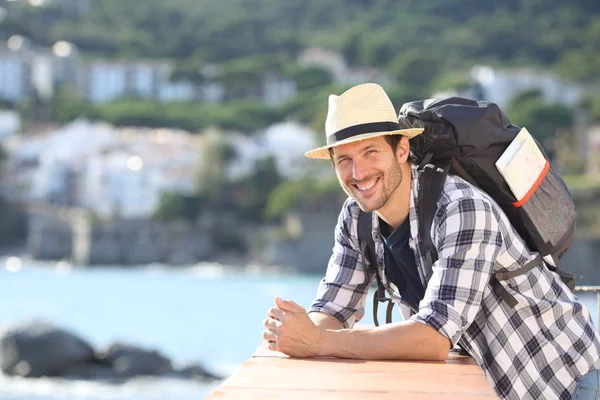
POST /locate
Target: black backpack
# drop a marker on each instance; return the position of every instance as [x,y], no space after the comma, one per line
[465,138]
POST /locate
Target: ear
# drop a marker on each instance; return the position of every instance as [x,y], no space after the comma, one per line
[403,150]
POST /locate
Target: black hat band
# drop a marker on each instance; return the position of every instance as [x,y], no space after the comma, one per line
[356,130]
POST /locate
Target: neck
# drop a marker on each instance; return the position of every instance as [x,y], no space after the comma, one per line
[396,210]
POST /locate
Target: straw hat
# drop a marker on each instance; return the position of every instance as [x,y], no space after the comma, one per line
[362,112]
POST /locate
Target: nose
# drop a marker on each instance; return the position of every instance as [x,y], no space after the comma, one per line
[359,170]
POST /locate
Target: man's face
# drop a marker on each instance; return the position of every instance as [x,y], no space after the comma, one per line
[369,171]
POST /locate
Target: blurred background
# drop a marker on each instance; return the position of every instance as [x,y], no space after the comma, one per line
[154,196]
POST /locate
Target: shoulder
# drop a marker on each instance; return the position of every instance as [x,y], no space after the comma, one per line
[456,192]
[459,196]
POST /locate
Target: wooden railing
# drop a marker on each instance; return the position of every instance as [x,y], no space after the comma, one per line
[273,375]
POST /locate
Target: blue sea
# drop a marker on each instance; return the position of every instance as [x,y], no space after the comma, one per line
[207,314]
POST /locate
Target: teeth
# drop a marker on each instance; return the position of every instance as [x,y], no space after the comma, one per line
[367,187]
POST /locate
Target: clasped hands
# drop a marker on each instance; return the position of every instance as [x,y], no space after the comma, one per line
[290,330]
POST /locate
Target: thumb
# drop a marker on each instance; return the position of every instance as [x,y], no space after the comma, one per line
[288,305]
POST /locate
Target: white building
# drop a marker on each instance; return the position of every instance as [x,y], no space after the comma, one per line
[46,167]
[42,75]
[176,91]
[212,92]
[15,75]
[329,60]
[341,73]
[500,86]
[10,123]
[277,90]
[118,184]
[113,172]
[104,81]
[127,182]
[286,142]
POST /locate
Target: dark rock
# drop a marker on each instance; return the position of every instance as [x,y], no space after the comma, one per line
[35,349]
[129,361]
[92,370]
[197,372]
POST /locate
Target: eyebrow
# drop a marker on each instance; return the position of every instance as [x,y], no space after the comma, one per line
[337,156]
[369,147]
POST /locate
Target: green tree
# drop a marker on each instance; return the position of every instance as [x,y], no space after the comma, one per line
[66,106]
[310,78]
[3,157]
[591,105]
[190,70]
[252,191]
[175,206]
[416,70]
[211,176]
[544,121]
[562,36]
[289,194]
[244,77]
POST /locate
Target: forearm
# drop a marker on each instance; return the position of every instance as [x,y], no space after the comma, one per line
[408,340]
[325,321]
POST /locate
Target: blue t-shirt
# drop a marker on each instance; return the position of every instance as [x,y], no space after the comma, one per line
[400,264]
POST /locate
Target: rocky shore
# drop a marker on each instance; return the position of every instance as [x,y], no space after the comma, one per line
[40,349]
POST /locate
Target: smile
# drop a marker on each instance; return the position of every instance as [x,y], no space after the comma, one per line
[367,186]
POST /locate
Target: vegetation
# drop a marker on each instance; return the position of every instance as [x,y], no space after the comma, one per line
[391,34]
[423,46]
[544,121]
[292,193]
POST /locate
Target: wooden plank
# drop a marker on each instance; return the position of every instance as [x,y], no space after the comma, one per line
[317,375]
[270,374]
[302,394]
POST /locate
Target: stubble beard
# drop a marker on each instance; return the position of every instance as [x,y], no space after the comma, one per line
[387,188]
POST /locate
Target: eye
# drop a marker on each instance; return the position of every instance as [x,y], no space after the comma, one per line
[341,160]
[371,151]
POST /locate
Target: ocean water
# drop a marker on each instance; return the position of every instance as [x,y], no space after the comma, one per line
[207,314]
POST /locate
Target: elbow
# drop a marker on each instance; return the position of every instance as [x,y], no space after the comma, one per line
[442,354]
[441,349]
[437,344]
[433,351]
[436,354]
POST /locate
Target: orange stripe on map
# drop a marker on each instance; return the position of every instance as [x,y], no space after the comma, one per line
[534,187]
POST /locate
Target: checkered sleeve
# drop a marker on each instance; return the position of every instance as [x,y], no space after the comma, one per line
[342,292]
[468,240]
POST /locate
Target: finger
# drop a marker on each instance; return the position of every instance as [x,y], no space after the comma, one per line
[288,305]
[273,346]
[298,306]
[269,336]
[275,313]
[272,324]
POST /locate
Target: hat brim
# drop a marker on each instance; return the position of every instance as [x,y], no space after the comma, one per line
[323,152]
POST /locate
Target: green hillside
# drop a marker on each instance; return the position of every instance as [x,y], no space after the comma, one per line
[385,33]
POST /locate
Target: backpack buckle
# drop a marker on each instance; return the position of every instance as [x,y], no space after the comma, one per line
[381,295]
[378,297]
[425,161]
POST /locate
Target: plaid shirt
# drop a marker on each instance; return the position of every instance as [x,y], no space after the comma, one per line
[536,350]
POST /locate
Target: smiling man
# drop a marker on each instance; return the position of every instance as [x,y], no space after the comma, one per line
[545,347]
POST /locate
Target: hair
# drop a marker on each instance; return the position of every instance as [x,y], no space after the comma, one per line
[393,141]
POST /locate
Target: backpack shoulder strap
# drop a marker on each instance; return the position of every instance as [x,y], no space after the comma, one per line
[367,248]
[365,226]
[431,183]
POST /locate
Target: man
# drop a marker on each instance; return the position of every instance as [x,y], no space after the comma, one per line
[545,347]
